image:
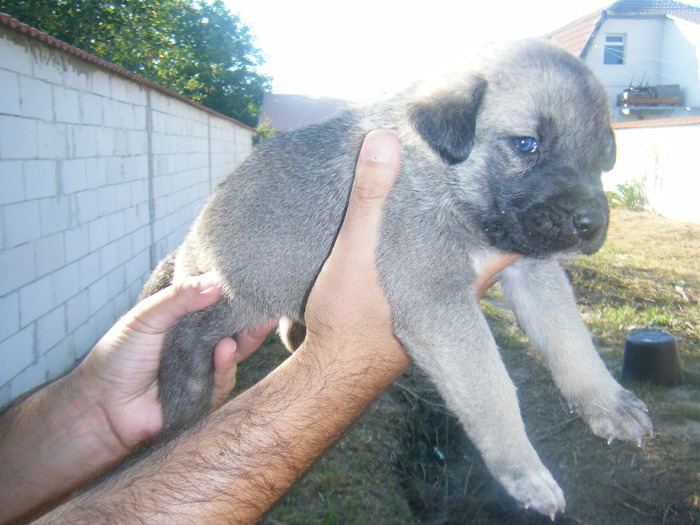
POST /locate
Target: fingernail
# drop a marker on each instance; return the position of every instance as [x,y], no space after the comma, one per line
[207,281]
[377,148]
[231,359]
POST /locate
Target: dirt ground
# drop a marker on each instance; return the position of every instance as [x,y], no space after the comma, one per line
[407,461]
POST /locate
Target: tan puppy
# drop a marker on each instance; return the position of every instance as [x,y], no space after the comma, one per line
[503,158]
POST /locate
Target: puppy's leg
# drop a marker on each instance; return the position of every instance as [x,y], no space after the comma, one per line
[458,352]
[543,301]
[186,373]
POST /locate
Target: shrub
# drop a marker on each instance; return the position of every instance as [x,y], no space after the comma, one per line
[630,195]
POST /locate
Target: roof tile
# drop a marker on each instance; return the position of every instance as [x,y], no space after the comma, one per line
[574,36]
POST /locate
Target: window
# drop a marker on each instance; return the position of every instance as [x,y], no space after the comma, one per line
[614,49]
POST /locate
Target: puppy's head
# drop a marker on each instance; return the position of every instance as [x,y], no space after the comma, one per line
[524,136]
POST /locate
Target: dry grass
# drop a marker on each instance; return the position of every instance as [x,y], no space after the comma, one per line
[407,461]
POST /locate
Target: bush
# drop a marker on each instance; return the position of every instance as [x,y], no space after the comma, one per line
[630,195]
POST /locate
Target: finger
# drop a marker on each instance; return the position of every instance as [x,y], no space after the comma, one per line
[248,341]
[224,370]
[491,269]
[377,168]
[157,313]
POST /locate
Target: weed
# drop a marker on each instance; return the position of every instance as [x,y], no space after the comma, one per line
[629,195]
[264,131]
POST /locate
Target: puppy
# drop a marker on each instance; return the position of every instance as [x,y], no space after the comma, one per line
[503,158]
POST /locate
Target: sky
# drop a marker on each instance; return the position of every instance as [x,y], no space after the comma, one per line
[364,49]
[368,49]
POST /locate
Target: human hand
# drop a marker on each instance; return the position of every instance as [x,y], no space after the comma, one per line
[121,370]
[493,266]
[347,302]
[258,444]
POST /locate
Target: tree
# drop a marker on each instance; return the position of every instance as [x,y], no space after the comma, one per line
[197,49]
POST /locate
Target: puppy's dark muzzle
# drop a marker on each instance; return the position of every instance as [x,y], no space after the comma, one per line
[589,222]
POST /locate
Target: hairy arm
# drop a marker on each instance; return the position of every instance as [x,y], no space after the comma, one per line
[67,433]
[51,443]
[238,461]
[236,464]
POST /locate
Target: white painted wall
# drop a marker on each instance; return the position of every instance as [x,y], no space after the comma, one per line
[665,160]
[643,44]
[100,177]
[658,51]
[681,51]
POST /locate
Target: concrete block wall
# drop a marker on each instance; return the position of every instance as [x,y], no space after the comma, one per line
[100,176]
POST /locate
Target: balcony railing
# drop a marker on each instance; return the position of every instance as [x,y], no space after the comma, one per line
[648,99]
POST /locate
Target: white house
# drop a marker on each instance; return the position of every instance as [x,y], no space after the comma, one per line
[646,52]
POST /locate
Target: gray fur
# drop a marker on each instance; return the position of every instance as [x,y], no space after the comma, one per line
[464,194]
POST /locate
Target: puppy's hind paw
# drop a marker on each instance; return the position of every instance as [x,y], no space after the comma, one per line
[623,417]
[537,491]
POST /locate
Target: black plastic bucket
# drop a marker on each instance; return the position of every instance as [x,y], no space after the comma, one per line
[651,355]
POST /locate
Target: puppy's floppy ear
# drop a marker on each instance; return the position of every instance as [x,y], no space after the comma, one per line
[610,152]
[447,120]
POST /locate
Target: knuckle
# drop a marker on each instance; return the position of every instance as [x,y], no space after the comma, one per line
[369,190]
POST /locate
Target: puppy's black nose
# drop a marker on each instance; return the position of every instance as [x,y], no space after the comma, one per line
[588,222]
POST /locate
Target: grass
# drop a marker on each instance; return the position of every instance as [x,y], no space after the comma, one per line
[684,412]
[406,460]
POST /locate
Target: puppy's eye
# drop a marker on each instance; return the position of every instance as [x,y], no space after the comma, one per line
[525,144]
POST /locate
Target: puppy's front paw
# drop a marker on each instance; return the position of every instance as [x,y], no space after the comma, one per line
[536,490]
[621,416]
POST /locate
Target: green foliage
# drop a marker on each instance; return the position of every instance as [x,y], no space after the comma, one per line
[264,131]
[629,195]
[192,47]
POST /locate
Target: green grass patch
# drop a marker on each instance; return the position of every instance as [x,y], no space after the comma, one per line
[407,460]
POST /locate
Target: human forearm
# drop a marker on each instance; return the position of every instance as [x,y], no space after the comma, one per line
[241,458]
[74,429]
[250,451]
[51,443]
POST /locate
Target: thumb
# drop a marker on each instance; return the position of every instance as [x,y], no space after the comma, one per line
[377,168]
[157,313]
